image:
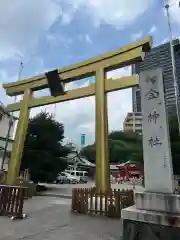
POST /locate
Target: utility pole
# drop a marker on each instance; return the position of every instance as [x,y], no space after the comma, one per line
[176,89]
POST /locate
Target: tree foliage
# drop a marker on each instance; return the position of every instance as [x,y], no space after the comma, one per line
[127,136]
[123,146]
[43,149]
[89,152]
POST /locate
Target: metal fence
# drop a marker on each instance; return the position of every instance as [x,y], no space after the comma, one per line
[86,200]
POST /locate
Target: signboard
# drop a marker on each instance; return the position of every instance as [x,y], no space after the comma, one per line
[156,144]
[83,140]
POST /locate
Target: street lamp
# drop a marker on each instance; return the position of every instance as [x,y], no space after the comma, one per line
[176,89]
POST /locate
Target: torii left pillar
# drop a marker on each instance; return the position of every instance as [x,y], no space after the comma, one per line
[18,145]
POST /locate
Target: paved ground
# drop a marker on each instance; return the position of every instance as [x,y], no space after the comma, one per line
[65,190]
[49,218]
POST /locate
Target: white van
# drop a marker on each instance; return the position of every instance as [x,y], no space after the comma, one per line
[83,175]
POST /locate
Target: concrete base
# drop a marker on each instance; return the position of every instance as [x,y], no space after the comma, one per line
[151,217]
[135,230]
[168,203]
[154,217]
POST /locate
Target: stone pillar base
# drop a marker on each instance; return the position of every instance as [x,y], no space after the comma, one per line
[154,217]
[168,203]
[149,225]
[134,230]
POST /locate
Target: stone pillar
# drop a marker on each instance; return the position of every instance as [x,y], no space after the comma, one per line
[156,143]
[156,214]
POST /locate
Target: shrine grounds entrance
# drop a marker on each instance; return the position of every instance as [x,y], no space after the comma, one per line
[55,81]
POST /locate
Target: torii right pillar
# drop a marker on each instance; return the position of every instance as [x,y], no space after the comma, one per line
[156,214]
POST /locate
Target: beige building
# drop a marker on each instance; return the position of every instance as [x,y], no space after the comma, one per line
[133,122]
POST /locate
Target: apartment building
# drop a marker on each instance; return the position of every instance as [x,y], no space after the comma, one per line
[133,122]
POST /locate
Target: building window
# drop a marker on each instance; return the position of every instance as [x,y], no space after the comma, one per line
[138,125]
[128,124]
[138,114]
[138,94]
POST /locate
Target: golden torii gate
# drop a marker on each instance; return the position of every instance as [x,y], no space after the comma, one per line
[97,67]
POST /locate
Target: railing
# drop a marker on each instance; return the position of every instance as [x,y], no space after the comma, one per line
[12,201]
[86,200]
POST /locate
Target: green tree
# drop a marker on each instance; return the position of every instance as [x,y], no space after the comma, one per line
[127,136]
[123,146]
[129,145]
[43,151]
[89,152]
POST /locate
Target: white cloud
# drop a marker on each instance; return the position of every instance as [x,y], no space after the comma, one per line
[174,10]
[84,38]
[114,12]
[66,19]
[137,35]
[126,71]
[5,77]
[58,40]
[22,24]
[153,29]
[78,116]
[88,39]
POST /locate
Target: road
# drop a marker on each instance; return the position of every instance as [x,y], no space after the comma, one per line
[49,218]
[65,190]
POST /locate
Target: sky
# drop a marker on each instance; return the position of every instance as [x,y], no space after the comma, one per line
[49,34]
